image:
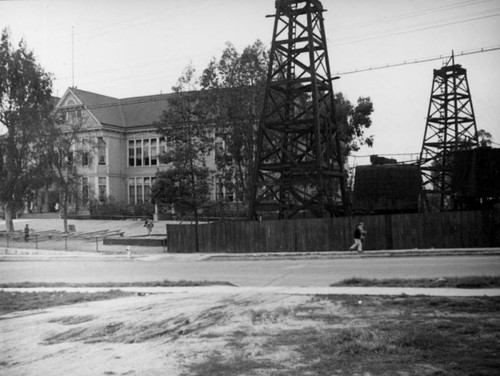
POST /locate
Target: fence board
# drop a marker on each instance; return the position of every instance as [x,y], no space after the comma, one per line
[401,231]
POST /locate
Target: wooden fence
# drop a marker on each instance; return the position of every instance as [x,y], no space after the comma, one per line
[402,231]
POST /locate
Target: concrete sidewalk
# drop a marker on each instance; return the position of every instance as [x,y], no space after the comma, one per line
[142,254]
[222,289]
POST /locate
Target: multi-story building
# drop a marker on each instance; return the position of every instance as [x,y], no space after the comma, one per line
[119,145]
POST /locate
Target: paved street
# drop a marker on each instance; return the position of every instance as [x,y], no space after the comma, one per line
[308,273]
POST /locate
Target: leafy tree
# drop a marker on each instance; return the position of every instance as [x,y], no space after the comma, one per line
[239,110]
[353,122]
[63,157]
[242,78]
[186,125]
[25,111]
[485,138]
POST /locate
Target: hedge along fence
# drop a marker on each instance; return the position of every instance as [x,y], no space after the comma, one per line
[402,231]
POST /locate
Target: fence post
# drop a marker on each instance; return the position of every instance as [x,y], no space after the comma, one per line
[36,241]
[97,244]
[389,239]
[7,240]
[66,243]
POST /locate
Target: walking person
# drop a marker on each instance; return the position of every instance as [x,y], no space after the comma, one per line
[26,233]
[359,234]
[149,226]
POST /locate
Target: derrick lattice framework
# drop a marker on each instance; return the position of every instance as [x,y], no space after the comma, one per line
[450,127]
[299,164]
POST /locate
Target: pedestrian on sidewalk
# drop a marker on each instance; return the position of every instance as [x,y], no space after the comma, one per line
[26,233]
[149,226]
[359,235]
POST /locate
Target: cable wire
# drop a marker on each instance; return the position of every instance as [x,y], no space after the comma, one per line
[421,60]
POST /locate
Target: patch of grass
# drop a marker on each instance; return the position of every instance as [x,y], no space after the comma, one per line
[446,304]
[416,335]
[216,364]
[72,320]
[168,329]
[165,283]
[262,316]
[100,333]
[22,301]
[473,282]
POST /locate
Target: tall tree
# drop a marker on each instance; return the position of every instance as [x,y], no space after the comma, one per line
[239,108]
[25,111]
[187,127]
[353,122]
[64,155]
[242,78]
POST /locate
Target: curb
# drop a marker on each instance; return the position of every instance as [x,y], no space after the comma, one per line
[366,254]
[347,290]
[8,253]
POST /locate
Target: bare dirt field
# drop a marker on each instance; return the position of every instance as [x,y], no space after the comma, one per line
[248,333]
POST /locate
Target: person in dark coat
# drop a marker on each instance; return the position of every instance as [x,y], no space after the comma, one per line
[359,234]
[26,233]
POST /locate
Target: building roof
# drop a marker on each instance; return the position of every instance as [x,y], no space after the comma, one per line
[126,112]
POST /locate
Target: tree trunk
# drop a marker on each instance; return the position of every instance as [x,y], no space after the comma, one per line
[65,208]
[9,210]
[196,236]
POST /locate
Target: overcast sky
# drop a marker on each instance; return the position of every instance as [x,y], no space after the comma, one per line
[127,48]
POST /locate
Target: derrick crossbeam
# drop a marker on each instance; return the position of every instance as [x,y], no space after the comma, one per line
[299,164]
[450,127]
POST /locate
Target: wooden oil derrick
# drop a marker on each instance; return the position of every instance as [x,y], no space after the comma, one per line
[299,166]
[450,127]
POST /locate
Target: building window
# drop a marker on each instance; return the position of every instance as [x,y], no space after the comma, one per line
[145,152]
[85,152]
[101,151]
[85,191]
[163,147]
[102,188]
[73,115]
[219,148]
[131,190]
[154,152]
[140,189]
[147,189]
[138,152]
[131,153]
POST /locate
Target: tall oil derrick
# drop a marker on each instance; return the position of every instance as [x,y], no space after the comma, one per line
[450,127]
[299,164]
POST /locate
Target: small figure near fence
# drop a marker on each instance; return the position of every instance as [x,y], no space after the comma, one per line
[26,233]
[359,235]
[149,226]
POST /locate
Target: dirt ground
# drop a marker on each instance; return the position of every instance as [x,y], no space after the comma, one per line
[157,334]
[249,333]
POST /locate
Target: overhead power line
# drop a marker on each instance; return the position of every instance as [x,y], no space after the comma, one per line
[421,60]
[412,15]
[493,13]
[386,66]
